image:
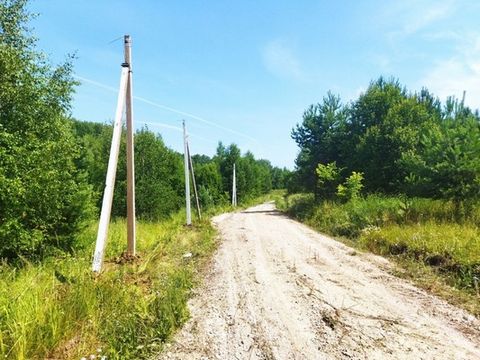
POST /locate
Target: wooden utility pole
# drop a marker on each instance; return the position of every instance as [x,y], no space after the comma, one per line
[111,173]
[131,239]
[234,188]
[187,177]
[194,182]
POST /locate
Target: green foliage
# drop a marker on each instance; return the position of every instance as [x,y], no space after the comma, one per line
[321,137]
[401,143]
[350,190]
[280,178]
[44,199]
[449,247]
[328,177]
[446,163]
[254,177]
[56,309]
[158,178]
[349,218]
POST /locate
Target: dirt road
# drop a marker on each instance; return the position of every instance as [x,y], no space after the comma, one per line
[278,290]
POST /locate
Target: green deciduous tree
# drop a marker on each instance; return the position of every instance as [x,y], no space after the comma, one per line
[43,198]
[328,178]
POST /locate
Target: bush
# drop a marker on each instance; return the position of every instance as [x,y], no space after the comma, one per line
[351,188]
[328,177]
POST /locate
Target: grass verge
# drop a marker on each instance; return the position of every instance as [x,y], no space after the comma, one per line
[56,309]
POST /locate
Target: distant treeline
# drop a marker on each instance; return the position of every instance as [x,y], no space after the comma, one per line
[52,168]
[159,173]
[389,141]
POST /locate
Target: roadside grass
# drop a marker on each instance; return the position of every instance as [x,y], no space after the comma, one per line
[452,249]
[434,246]
[58,309]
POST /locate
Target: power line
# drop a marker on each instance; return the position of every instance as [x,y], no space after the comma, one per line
[167,108]
[176,128]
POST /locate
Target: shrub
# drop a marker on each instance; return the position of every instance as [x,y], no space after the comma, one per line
[328,177]
[351,188]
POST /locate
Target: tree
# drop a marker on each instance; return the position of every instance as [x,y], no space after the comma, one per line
[373,144]
[44,199]
[280,177]
[158,178]
[321,138]
[381,147]
[351,188]
[446,163]
[210,186]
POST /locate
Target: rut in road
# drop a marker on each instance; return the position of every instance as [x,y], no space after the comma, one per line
[278,290]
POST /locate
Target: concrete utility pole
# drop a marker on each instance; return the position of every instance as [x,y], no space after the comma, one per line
[187,176]
[194,182]
[124,98]
[130,153]
[111,173]
[234,187]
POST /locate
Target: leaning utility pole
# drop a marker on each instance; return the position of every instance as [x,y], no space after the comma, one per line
[234,187]
[124,97]
[194,182]
[130,154]
[187,176]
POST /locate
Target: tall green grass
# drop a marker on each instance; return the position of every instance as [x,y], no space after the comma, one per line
[451,248]
[58,309]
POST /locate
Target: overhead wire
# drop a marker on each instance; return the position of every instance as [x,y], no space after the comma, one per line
[167,108]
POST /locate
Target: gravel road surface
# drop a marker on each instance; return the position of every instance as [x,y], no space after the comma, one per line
[279,290]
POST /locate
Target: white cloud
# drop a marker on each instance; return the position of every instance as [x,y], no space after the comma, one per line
[457,73]
[410,17]
[280,60]
[427,13]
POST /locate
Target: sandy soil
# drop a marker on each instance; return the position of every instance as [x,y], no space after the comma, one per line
[278,290]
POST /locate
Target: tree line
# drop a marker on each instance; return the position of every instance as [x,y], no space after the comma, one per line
[159,173]
[389,141]
[52,167]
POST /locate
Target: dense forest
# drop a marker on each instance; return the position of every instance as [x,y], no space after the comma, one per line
[160,187]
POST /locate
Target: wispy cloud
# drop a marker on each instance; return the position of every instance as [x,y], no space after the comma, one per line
[459,72]
[280,60]
[427,13]
[403,23]
[412,16]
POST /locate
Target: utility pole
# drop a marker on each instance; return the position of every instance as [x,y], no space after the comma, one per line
[124,99]
[194,182]
[130,153]
[111,173]
[187,177]
[234,188]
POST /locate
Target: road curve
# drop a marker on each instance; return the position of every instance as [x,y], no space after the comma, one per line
[278,290]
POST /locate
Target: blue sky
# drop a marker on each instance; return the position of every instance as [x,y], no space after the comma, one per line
[244,71]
